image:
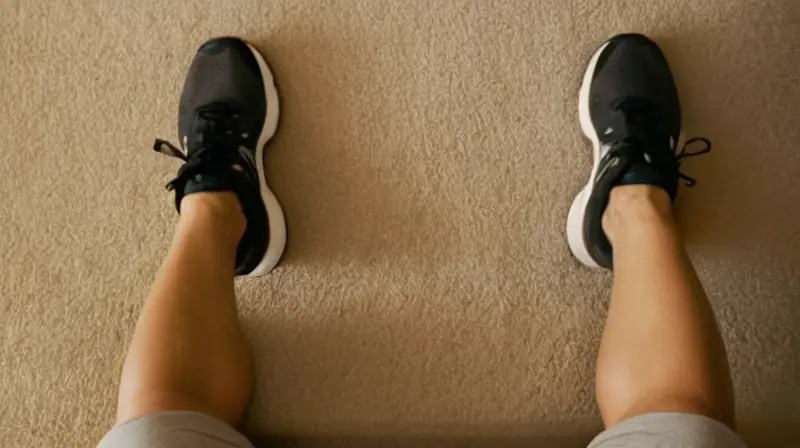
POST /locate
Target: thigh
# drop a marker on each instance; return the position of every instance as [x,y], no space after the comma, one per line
[173,430]
[667,430]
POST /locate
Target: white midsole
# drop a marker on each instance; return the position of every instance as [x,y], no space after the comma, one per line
[275,219]
[577,212]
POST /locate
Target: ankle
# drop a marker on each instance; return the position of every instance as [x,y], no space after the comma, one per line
[223,209]
[632,207]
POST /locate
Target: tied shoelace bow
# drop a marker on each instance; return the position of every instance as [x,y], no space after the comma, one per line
[685,153]
[214,144]
[640,114]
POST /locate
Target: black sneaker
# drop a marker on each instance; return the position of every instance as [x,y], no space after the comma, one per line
[228,112]
[629,109]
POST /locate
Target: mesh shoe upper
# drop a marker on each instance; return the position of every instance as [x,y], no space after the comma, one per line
[224,74]
[633,94]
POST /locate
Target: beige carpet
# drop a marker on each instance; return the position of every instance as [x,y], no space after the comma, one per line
[427,156]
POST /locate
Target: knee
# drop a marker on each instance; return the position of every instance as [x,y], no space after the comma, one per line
[617,407]
[141,401]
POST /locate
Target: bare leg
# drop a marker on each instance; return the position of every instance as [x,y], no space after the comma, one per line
[188,351]
[661,349]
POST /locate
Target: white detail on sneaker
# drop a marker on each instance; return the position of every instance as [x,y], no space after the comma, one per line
[647,158]
[276,222]
[250,170]
[577,211]
[609,130]
[245,153]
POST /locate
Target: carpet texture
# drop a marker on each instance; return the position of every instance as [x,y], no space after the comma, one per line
[426,160]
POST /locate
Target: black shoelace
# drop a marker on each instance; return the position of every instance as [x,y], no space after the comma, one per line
[685,153]
[214,138]
[642,115]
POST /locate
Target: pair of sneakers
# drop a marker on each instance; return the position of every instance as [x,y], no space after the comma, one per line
[628,108]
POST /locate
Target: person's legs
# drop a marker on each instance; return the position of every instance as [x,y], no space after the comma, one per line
[662,370]
[188,351]
[661,350]
[189,371]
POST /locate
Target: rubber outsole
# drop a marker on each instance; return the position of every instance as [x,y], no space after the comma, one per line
[577,212]
[275,217]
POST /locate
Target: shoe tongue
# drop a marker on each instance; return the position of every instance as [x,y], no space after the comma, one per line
[645,173]
[207,182]
[642,163]
[636,119]
[212,126]
[642,173]
[202,182]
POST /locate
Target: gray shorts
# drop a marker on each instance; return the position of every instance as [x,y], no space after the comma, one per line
[192,429]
